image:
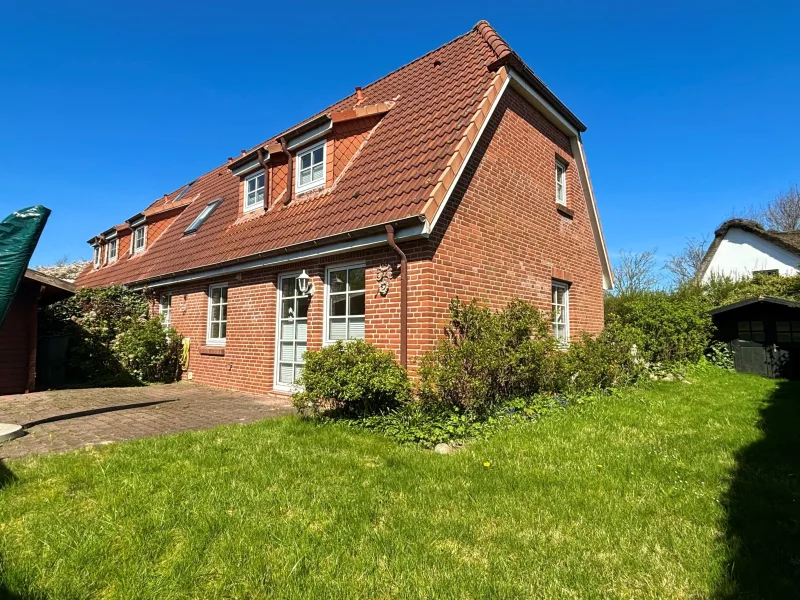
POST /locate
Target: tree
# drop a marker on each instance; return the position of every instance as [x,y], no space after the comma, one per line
[64,268]
[685,266]
[635,272]
[783,213]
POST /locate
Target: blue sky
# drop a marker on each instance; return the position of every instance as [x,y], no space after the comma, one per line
[691,108]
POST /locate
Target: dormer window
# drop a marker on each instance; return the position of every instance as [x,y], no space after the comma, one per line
[311,168]
[139,238]
[98,256]
[111,251]
[254,191]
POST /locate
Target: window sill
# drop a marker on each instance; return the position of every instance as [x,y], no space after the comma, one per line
[212,350]
[310,188]
[253,208]
[563,210]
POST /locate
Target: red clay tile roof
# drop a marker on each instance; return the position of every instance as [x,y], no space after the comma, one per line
[392,178]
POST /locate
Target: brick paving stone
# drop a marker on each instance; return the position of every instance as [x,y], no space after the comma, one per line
[116,415]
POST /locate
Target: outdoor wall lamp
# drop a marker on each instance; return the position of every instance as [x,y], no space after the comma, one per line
[304,284]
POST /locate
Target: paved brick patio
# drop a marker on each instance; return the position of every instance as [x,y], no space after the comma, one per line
[66,419]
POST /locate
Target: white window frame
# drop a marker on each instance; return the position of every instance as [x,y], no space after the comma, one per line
[112,244]
[326,341]
[257,205]
[216,341]
[165,309]
[561,180]
[135,250]
[561,285]
[97,258]
[276,382]
[313,184]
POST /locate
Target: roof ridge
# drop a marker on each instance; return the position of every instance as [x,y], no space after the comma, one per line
[330,106]
[498,45]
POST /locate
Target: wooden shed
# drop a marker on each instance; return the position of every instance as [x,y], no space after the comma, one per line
[18,332]
[764,334]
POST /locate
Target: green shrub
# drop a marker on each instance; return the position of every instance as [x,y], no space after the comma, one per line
[92,320]
[352,378]
[428,425]
[609,360]
[672,327]
[487,357]
[149,352]
[720,355]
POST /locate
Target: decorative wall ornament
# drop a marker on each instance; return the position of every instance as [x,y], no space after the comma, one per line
[383,273]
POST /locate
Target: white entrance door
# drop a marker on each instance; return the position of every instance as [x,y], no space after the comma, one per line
[292,328]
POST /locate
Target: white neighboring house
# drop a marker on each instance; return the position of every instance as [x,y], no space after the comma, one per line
[742,248]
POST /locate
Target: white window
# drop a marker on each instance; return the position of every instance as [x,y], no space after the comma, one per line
[165,309]
[561,312]
[345,303]
[98,257]
[561,182]
[139,238]
[292,331]
[217,315]
[254,191]
[111,251]
[311,168]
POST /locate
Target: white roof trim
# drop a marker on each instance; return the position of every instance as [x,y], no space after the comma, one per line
[309,136]
[544,107]
[379,239]
[463,166]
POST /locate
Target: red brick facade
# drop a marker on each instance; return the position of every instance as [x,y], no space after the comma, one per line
[456,152]
[499,237]
[18,341]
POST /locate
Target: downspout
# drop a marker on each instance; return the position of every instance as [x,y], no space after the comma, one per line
[267,194]
[403,296]
[289,172]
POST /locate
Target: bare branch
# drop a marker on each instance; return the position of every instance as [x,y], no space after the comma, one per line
[783,213]
[635,272]
[685,266]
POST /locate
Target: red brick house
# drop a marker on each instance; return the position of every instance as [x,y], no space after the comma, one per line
[459,174]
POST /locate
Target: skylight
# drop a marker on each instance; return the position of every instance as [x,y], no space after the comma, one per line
[202,217]
[183,191]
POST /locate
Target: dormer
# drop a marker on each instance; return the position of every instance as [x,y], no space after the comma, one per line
[307,159]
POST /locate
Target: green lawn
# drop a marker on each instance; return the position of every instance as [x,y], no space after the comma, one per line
[676,491]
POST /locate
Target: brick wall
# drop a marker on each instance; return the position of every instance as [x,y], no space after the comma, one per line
[500,237]
[248,363]
[16,340]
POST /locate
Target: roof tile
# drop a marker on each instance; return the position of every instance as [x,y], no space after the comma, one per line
[435,113]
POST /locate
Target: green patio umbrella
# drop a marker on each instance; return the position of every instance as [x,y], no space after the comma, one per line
[19,234]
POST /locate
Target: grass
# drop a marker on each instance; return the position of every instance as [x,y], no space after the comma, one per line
[674,491]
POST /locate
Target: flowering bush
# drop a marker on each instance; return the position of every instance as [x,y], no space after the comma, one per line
[94,320]
[149,352]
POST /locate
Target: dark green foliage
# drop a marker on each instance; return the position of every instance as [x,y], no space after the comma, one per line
[609,360]
[487,357]
[93,320]
[720,355]
[673,327]
[149,352]
[720,291]
[428,425]
[352,378]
